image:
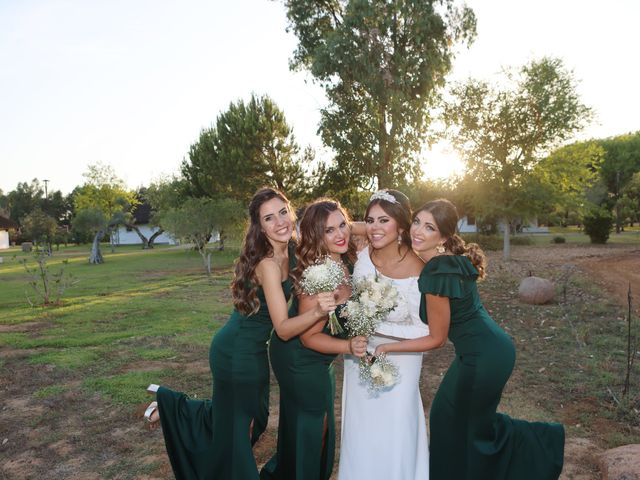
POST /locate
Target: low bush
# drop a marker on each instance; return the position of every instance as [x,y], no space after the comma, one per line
[558,239]
[597,224]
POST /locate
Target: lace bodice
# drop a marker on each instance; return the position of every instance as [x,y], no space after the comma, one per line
[404,321]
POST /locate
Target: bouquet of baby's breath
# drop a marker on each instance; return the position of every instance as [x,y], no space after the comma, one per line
[324,276]
[378,372]
[373,298]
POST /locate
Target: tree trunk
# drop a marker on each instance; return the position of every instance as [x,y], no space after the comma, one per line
[506,245]
[96,255]
[153,237]
[145,242]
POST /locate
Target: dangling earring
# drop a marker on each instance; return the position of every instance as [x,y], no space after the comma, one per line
[399,239]
[440,249]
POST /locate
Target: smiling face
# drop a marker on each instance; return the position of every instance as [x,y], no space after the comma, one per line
[382,229]
[336,234]
[276,221]
[425,235]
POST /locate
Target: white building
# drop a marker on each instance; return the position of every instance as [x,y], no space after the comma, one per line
[6,224]
[467,224]
[126,235]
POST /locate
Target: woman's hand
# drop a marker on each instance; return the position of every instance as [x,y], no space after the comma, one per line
[358,346]
[326,303]
[342,294]
[382,348]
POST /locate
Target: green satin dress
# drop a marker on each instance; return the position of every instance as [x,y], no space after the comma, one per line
[307,393]
[209,439]
[468,439]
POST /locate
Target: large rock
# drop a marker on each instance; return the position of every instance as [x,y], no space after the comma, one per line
[622,463]
[536,290]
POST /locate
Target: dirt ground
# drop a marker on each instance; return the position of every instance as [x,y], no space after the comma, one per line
[99,440]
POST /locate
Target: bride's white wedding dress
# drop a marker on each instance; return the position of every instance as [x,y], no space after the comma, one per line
[385,436]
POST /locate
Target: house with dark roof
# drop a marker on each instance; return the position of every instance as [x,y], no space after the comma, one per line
[6,224]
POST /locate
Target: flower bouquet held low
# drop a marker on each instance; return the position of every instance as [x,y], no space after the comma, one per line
[325,276]
[373,298]
[379,372]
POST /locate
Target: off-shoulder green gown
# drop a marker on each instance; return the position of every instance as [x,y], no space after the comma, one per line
[209,439]
[468,439]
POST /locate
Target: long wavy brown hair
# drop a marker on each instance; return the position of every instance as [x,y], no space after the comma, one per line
[311,246]
[255,247]
[400,212]
[446,217]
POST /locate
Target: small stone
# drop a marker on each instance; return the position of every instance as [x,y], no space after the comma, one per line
[4,442]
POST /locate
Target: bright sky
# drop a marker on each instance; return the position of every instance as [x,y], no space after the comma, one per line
[131,83]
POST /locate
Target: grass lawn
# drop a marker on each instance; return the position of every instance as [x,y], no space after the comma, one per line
[74,376]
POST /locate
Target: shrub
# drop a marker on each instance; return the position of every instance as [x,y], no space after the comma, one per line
[517,240]
[486,242]
[597,224]
[558,239]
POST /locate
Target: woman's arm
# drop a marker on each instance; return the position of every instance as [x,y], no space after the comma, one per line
[270,277]
[439,314]
[315,339]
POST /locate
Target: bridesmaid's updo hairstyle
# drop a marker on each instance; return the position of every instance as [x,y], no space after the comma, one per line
[255,247]
[311,246]
[446,217]
[397,206]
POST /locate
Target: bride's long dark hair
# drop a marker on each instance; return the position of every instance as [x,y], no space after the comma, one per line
[255,247]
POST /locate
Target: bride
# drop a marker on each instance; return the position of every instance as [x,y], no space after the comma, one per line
[384,435]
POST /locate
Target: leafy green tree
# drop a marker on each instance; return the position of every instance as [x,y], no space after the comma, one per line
[504,131]
[4,204]
[24,199]
[58,206]
[102,203]
[628,206]
[198,218]
[251,145]
[621,162]
[40,228]
[381,64]
[567,175]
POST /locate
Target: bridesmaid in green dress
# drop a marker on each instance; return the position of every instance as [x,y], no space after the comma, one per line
[213,439]
[469,439]
[304,365]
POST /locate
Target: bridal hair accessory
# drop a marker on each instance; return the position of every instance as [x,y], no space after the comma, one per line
[440,249]
[383,195]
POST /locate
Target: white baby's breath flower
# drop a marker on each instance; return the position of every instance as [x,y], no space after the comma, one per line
[324,276]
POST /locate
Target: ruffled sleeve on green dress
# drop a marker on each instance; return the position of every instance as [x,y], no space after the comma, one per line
[452,276]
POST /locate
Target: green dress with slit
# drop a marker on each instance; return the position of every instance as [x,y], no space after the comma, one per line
[210,439]
[305,451]
[469,440]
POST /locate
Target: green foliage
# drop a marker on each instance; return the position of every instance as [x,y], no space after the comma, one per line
[39,227]
[24,199]
[558,239]
[597,224]
[102,203]
[568,175]
[381,64]
[251,145]
[502,133]
[486,242]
